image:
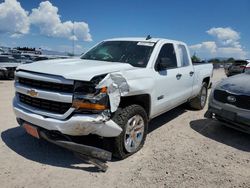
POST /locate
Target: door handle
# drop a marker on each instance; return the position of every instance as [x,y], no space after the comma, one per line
[191,73]
[178,76]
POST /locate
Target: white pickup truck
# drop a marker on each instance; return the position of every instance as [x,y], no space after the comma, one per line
[113,90]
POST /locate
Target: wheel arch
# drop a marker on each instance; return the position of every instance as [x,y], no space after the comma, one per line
[206,80]
[143,100]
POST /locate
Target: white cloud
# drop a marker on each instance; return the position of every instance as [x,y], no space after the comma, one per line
[48,20]
[44,47]
[78,49]
[224,33]
[226,45]
[208,46]
[226,36]
[232,52]
[16,21]
[210,49]
[13,18]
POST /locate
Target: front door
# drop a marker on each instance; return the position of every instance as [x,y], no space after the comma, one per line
[167,82]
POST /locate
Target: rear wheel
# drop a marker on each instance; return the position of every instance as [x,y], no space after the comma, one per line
[134,122]
[199,102]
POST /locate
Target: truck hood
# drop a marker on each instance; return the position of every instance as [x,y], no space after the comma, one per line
[75,69]
[238,84]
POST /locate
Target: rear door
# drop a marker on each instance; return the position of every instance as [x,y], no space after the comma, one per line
[186,69]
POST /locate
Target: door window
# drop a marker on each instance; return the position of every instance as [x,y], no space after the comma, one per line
[184,60]
[168,54]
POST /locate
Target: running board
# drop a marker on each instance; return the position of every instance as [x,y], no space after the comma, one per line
[89,154]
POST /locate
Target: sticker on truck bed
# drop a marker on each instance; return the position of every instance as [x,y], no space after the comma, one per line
[145,43]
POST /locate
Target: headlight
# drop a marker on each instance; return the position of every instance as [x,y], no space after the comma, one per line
[87,98]
[216,86]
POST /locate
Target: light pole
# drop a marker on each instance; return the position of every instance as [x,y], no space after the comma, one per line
[73,40]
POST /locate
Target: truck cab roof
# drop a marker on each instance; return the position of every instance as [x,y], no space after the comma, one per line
[141,39]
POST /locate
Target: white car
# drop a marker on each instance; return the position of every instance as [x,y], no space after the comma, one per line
[112,91]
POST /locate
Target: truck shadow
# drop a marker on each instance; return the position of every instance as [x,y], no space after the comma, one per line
[46,153]
[166,117]
[41,151]
[6,79]
[216,131]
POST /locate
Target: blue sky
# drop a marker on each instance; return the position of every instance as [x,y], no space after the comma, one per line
[211,28]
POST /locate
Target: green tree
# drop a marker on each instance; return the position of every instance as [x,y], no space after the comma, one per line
[215,61]
[195,58]
[230,60]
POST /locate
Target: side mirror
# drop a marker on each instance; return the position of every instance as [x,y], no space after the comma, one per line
[163,64]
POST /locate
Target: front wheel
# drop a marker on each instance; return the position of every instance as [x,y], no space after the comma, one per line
[199,102]
[134,122]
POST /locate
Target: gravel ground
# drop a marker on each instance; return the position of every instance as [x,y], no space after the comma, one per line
[182,150]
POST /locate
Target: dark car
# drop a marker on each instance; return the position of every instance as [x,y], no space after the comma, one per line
[7,66]
[229,101]
[41,58]
[237,67]
[22,58]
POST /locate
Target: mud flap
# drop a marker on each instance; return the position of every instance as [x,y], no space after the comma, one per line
[90,154]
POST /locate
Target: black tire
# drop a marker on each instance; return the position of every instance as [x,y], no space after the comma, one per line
[121,117]
[197,103]
[11,75]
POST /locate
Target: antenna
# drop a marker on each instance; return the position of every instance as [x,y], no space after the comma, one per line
[148,37]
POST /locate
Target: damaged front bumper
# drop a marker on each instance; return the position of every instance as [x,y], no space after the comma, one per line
[90,154]
[81,123]
[76,125]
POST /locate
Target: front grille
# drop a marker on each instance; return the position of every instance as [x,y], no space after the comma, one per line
[51,106]
[50,86]
[242,101]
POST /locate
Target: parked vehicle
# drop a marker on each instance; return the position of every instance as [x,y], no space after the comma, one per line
[7,66]
[41,58]
[49,57]
[22,58]
[236,68]
[230,101]
[112,91]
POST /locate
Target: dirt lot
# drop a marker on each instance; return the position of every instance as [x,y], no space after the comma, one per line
[182,150]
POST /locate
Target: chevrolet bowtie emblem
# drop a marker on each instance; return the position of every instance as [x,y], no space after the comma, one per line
[32,93]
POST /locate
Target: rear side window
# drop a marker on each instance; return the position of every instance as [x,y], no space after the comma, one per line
[168,52]
[184,60]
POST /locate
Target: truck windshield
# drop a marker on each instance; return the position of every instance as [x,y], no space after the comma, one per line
[135,53]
